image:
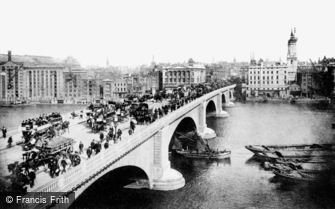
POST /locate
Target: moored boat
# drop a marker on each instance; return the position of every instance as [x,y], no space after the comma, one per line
[196,147]
[294,151]
[279,158]
[301,167]
[297,175]
[215,155]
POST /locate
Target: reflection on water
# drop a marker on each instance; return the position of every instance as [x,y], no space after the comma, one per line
[11,117]
[239,182]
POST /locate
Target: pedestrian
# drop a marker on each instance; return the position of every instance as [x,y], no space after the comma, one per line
[101,136]
[4,132]
[132,125]
[119,133]
[64,164]
[92,143]
[10,141]
[106,145]
[81,147]
[89,152]
[32,177]
[98,148]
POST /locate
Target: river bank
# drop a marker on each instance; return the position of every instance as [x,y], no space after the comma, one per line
[289,100]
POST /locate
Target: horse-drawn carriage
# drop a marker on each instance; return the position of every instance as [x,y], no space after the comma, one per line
[56,145]
[31,136]
[52,155]
[46,152]
[55,119]
[99,125]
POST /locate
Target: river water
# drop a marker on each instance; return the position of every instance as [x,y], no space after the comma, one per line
[238,182]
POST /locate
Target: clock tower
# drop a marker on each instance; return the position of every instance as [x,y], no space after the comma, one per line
[292,60]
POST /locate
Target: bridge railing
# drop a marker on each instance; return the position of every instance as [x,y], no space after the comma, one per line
[81,173]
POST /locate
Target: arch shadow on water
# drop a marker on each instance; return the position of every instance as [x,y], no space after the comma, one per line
[109,189]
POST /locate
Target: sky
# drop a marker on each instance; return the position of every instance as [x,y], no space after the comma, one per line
[134,32]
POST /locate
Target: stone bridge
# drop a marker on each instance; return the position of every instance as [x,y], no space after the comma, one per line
[147,150]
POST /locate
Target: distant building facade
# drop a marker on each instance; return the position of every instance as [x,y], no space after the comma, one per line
[190,73]
[268,80]
[273,79]
[30,78]
[74,86]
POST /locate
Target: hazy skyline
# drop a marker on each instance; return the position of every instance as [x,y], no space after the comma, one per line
[132,32]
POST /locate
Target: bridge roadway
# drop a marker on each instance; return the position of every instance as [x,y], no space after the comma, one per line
[146,149]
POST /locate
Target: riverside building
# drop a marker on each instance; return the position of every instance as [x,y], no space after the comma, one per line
[30,78]
[273,79]
[190,73]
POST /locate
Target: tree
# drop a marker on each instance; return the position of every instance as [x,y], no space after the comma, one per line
[324,80]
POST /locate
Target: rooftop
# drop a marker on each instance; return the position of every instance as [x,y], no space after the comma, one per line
[33,60]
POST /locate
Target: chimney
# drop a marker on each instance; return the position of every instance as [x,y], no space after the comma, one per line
[9,56]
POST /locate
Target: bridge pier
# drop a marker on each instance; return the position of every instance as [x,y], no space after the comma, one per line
[207,133]
[169,180]
[163,176]
[203,130]
[220,113]
[229,95]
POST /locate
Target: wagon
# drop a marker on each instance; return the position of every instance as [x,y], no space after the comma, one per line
[56,145]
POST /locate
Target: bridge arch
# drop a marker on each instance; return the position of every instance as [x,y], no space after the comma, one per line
[186,124]
[224,99]
[211,107]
